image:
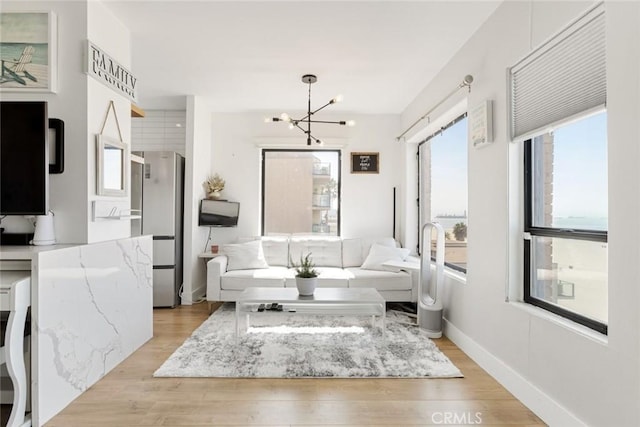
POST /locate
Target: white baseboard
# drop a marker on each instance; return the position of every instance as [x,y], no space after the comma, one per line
[532,397]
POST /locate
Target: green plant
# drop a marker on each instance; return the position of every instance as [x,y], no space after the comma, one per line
[460,231]
[306,267]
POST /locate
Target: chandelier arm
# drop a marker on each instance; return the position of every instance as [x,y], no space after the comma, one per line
[325,105]
[316,140]
[299,127]
[309,136]
[341,122]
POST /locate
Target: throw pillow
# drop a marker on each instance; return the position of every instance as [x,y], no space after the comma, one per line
[379,254]
[245,256]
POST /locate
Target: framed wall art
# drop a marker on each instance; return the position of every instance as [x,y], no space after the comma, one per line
[480,124]
[365,162]
[28,52]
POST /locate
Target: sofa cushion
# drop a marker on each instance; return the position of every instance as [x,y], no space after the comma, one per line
[276,250]
[324,252]
[355,251]
[380,280]
[245,256]
[379,254]
[272,277]
[328,277]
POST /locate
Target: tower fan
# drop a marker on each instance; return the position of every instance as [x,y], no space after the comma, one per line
[429,306]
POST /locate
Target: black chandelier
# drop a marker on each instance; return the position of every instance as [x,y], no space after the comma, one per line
[298,123]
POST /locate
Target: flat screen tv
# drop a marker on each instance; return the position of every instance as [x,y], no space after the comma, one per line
[218,213]
[24,158]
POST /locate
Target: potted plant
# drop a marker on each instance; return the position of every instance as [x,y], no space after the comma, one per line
[306,275]
[213,186]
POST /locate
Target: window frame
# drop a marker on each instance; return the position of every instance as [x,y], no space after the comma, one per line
[530,230]
[294,150]
[449,124]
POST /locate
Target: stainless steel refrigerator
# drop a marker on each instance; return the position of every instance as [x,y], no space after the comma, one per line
[162,216]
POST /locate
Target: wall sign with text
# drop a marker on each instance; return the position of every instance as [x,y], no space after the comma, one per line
[365,162]
[109,72]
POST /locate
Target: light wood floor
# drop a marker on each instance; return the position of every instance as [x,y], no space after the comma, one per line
[130,396]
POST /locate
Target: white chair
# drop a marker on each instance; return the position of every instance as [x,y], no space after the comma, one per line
[15,297]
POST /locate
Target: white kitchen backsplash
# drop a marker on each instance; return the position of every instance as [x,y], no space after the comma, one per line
[159,130]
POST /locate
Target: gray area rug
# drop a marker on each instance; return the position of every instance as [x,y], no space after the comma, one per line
[280,345]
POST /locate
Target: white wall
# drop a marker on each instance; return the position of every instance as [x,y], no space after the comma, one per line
[81,102]
[112,37]
[367,208]
[197,168]
[566,374]
[622,386]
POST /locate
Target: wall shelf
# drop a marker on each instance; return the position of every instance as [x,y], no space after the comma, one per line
[113,211]
[118,217]
[136,111]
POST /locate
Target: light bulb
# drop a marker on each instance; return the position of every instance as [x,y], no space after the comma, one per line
[338,98]
[268,119]
[351,123]
[285,117]
[291,126]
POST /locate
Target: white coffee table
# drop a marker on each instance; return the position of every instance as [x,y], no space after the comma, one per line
[324,301]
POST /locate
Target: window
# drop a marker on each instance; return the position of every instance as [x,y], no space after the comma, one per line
[562,85]
[443,188]
[566,221]
[301,192]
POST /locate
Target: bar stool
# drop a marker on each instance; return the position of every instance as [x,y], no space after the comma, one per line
[15,297]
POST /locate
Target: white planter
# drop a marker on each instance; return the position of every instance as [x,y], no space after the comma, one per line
[306,285]
[214,195]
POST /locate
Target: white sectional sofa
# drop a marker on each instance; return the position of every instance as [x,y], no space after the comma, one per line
[353,263]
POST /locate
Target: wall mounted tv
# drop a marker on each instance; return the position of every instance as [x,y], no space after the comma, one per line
[24,158]
[218,213]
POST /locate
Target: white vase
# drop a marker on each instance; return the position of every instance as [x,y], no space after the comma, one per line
[306,285]
[214,195]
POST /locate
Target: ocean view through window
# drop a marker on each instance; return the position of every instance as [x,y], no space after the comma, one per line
[566,221]
[443,188]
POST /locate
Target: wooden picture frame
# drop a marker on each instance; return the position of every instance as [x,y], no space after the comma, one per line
[29,52]
[365,162]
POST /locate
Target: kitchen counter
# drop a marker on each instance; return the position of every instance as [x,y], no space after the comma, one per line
[91,307]
[11,252]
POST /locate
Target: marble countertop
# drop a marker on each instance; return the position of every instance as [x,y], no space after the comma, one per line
[27,252]
[91,307]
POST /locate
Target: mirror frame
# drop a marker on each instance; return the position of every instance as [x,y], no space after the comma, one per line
[103,142]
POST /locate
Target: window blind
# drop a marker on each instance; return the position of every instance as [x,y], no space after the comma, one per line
[562,78]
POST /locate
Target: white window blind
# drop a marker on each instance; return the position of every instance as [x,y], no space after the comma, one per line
[563,78]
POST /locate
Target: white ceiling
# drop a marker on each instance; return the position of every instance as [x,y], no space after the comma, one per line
[250,56]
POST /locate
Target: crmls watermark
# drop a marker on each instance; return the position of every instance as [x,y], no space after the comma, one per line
[453,417]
